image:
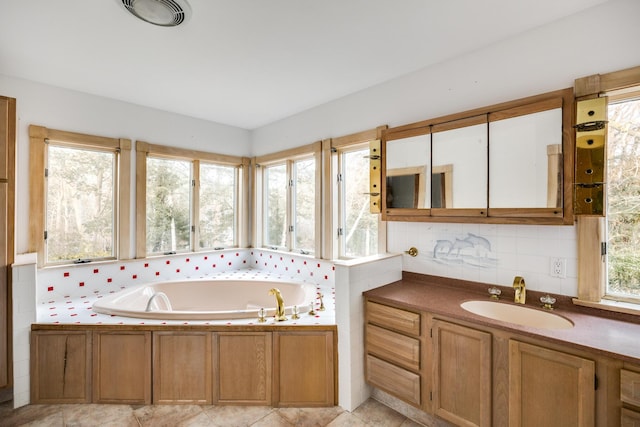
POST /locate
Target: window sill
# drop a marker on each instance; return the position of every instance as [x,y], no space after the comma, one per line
[611,305]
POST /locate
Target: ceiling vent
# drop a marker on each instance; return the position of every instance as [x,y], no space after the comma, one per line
[166,13]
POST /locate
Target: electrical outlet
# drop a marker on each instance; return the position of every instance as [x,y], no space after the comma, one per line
[558,267]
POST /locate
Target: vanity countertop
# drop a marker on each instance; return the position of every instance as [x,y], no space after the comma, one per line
[609,334]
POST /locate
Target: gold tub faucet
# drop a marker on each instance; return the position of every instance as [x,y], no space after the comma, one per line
[521,292]
[279,317]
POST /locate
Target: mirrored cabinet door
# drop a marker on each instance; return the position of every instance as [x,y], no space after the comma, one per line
[525,154]
[408,171]
[459,168]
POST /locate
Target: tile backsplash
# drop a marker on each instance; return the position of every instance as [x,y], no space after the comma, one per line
[107,277]
[491,253]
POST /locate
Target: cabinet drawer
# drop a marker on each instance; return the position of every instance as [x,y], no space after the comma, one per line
[630,387]
[394,347]
[397,381]
[394,318]
[629,418]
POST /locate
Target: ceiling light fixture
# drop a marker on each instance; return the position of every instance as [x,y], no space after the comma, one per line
[165,13]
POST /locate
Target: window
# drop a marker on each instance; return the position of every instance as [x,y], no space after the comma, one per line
[189,200]
[79,207]
[623,199]
[611,282]
[357,232]
[287,214]
[359,227]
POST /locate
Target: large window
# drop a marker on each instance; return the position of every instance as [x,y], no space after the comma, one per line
[623,199]
[79,205]
[287,200]
[189,200]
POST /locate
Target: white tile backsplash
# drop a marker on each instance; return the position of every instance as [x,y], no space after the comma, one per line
[515,250]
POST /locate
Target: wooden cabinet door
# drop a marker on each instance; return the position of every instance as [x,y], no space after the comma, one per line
[549,388]
[60,367]
[305,368]
[243,368]
[461,374]
[122,367]
[182,367]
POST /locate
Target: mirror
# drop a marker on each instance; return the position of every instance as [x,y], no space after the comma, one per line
[525,154]
[459,179]
[407,169]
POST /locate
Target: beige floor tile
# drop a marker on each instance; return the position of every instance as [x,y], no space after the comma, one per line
[29,414]
[347,419]
[53,420]
[376,414]
[272,420]
[236,416]
[166,415]
[310,417]
[99,415]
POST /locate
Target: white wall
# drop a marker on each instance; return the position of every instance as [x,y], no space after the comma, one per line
[67,110]
[545,59]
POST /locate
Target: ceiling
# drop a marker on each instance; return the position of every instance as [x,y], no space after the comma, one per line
[248,63]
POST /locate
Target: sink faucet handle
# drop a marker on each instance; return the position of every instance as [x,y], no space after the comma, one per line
[494,292]
[547,302]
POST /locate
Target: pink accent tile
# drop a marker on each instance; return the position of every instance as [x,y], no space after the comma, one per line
[146,265]
[168,262]
[66,274]
[81,284]
[135,276]
[122,267]
[187,260]
[206,258]
[157,273]
[96,271]
[50,289]
[177,270]
[221,255]
[109,280]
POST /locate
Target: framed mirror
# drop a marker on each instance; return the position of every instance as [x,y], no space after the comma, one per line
[459,164]
[406,171]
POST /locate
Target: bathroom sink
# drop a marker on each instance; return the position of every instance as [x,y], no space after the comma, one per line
[517,314]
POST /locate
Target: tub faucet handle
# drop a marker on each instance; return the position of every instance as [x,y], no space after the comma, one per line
[321,302]
[261,316]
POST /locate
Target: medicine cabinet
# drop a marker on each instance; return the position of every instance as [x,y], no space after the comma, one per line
[508,163]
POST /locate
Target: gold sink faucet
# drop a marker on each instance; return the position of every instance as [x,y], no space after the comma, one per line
[521,292]
[279,317]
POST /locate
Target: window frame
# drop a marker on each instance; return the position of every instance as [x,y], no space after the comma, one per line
[591,230]
[287,157]
[333,149]
[145,149]
[39,137]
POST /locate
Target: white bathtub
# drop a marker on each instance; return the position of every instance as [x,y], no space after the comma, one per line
[206,299]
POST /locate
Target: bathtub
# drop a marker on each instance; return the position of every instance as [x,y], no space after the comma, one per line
[206,299]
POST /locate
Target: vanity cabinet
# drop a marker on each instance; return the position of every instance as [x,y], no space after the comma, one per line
[122,367]
[243,368]
[393,344]
[461,374]
[60,367]
[182,368]
[305,368]
[549,387]
[630,397]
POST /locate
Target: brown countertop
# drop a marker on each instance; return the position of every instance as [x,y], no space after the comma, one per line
[606,333]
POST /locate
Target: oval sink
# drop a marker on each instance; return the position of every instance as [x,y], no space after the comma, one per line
[519,315]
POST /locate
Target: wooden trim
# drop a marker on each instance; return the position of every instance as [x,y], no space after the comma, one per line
[357,138]
[402,132]
[244,197]
[329,200]
[80,139]
[124,198]
[195,206]
[602,83]
[460,123]
[591,268]
[293,153]
[522,110]
[319,211]
[186,154]
[37,135]
[141,200]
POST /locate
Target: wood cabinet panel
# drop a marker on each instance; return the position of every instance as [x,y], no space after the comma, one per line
[394,380]
[393,318]
[461,374]
[60,367]
[629,418]
[630,387]
[182,367]
[394,347]
[122,367]
[305,369]
[536,371]
[243,368]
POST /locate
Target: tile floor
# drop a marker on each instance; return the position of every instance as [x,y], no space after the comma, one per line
[370,414]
